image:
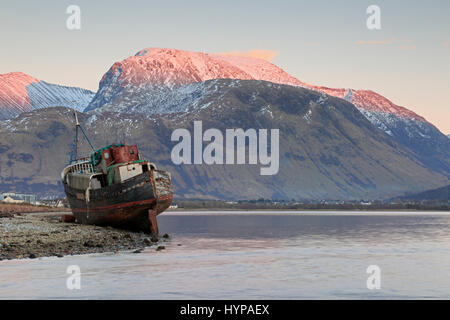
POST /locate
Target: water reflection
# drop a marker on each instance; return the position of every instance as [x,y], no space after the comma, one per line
[365,228]
[258,256]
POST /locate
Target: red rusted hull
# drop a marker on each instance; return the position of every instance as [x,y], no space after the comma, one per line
[128,205]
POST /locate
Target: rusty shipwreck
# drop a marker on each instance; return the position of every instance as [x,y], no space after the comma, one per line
[116,187]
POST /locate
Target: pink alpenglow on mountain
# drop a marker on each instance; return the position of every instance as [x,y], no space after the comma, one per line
[369,101]
[170,68]
[162,81]
[13,93]
[20,93]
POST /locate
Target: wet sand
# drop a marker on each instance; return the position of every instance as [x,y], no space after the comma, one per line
[42,234]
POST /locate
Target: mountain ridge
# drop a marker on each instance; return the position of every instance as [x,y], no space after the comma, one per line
[328,149]
[20,92]
[147,82]
[159,90]
[149,65]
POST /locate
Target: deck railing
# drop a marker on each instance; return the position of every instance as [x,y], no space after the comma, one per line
[82,166]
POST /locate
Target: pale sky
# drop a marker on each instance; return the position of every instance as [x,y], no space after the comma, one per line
[319,42]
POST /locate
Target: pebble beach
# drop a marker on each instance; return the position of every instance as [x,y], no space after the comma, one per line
[38,235]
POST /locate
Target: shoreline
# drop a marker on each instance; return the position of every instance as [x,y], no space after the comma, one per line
[35,235]
[43,234]
[308,210]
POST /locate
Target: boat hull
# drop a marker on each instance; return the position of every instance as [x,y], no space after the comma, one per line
[128,205]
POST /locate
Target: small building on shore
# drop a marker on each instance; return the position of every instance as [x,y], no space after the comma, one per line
[26,198]
[10,199]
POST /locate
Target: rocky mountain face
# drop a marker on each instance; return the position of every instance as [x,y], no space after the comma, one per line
[20,92]
[148,82]
[328,149]
[155,71]
[405,126]
[334,143]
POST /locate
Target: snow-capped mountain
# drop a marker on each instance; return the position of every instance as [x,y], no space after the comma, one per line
[402,124]
[134,80]
[328,149]
[20,92]
[154,78]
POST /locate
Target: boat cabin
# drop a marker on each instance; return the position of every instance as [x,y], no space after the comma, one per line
[110,165]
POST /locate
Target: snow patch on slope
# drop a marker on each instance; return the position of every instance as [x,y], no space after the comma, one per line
[20,93]
[44,95]
[161,101]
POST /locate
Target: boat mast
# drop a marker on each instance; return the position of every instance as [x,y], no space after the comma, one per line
[74,153]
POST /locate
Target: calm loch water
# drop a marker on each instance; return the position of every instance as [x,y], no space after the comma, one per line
[258,255]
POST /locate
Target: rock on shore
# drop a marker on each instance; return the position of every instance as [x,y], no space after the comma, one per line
[43,235]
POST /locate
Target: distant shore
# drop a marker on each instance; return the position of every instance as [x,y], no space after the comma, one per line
[304,210]
[43,235]
[214,205]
